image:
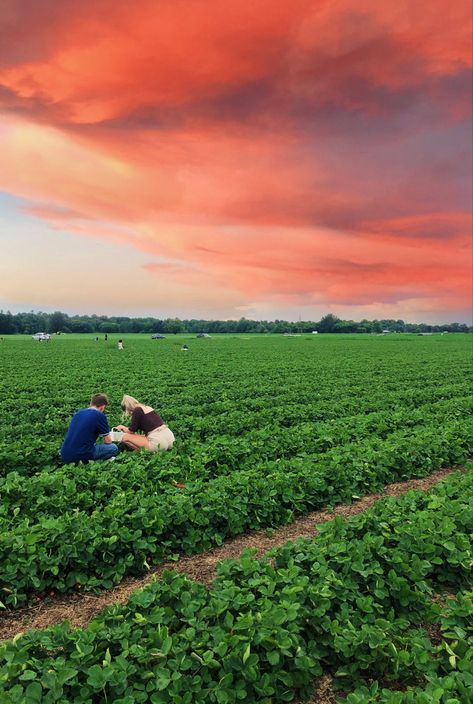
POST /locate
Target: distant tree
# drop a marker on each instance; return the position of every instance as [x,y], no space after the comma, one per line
[281,326]
[364,326]
[109,327]
[244,325]
[80,325]
[376,326]
[157,326]
[456,327]
[138,325]
[346,326]
[31,322]
[328,323]
[7,323]
[173,325]
[57,322]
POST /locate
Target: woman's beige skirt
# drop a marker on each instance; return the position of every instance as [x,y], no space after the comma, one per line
[160,439]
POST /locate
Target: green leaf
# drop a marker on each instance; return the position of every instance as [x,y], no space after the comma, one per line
[65,674]
[166,645]
[163,679]
[33,693]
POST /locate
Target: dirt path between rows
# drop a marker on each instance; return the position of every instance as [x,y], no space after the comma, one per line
[79,609]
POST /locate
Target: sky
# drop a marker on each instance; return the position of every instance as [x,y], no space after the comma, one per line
[230,158]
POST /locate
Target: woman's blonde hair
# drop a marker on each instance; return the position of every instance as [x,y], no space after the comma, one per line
[129,404]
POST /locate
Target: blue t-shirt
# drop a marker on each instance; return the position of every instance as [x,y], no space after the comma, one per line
[86,425]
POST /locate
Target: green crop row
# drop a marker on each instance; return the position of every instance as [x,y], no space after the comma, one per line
[231,437]
[263,406]
[57,490]
[326,410]
[354,602]
[138,526]
[225,454]
[450,680]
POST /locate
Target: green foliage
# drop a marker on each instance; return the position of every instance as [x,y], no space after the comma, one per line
[254,450]
[120,520]
[32,322]
[267,429]
[449,671]
[354,600]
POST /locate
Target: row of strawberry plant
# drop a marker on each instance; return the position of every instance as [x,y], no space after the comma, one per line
[448,666]
[223,454]
[43,449]
[318,408]
[353,602]
[53,492]
[136,527]
[449,678]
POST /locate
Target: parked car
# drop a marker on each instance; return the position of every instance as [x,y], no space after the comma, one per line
[41,337]
[157,336]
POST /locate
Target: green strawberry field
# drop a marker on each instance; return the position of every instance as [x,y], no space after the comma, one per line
[268,428]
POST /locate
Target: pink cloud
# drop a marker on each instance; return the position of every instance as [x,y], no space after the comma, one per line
[284,150]
[193,53]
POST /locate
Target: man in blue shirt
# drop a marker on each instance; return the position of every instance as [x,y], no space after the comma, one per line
[86,425]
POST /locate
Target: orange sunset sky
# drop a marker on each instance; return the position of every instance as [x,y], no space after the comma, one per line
[227,158]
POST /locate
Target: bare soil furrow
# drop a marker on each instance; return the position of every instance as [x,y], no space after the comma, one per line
[79,609]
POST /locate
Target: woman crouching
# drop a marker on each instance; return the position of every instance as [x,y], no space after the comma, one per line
[157,435]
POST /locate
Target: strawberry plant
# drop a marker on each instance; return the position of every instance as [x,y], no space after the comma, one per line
[352,601]
[263,435]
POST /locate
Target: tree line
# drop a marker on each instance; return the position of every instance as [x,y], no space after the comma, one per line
[32,322]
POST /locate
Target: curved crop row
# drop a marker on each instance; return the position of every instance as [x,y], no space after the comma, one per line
[352,600]
[139,526]
[58,490]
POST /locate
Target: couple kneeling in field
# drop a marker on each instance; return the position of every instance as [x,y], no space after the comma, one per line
[90,423]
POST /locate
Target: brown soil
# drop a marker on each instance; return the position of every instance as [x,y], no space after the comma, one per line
[441,598]
[323,693]
[434,632]
[79,609]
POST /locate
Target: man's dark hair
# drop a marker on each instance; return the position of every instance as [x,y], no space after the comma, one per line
[99,400]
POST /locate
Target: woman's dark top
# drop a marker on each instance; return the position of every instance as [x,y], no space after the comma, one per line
[147,422]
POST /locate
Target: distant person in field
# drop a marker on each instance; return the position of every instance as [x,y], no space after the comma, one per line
[120,344]
[156,434]
[106,337]
[85,427]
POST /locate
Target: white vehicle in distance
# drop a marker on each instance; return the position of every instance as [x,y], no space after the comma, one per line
[41,337]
